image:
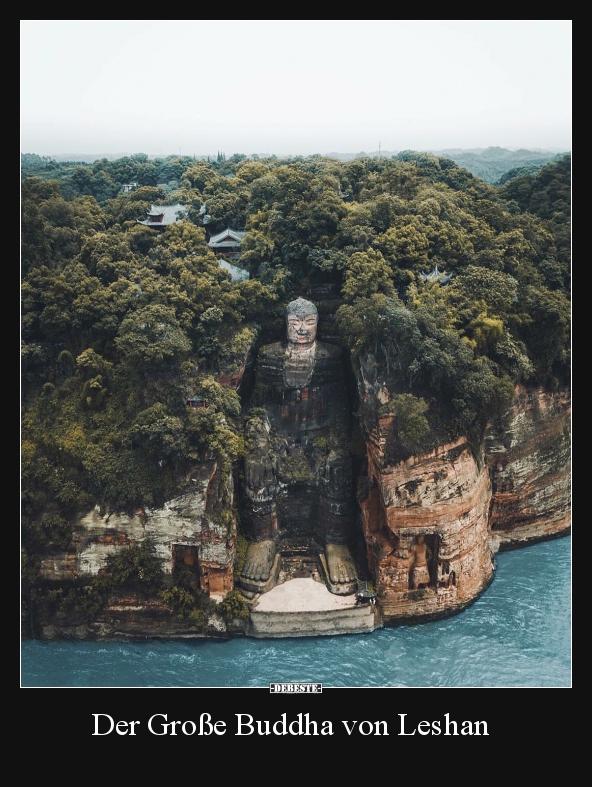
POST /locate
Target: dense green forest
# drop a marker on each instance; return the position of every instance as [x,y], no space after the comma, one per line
[121,324]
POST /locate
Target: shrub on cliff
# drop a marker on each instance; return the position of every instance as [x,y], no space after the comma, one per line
[135,569]
[233,606]
[190,606]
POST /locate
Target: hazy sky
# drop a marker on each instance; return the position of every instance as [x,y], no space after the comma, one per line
[297,87]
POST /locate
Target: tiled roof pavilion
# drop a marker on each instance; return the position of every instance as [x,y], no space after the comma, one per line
[228,239]
[163,215]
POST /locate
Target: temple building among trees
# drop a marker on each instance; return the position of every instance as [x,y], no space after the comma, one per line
[160,216]
[227,242]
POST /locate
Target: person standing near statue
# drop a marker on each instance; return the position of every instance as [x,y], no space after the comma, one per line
[298,477]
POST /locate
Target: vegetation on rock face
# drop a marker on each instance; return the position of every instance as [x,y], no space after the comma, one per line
[233,606]
[122,325]
[189,606]
[133,571]
[240,551]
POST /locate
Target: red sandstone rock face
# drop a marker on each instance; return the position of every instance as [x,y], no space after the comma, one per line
[528,457]
[519,491]
[443,496]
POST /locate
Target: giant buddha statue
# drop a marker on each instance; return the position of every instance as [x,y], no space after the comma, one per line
[298,477]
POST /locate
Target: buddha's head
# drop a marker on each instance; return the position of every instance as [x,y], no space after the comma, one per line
[301,321]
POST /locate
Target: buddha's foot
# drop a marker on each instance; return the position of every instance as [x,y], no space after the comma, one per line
[260,570]
[341,568]
[259,560]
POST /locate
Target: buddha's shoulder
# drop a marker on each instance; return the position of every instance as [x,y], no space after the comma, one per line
[274,350]
[278,350]
[325,350]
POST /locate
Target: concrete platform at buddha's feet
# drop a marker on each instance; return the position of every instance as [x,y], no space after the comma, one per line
[305,608]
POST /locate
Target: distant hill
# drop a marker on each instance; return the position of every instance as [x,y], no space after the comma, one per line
[493,163]
[87,158]
[490,164]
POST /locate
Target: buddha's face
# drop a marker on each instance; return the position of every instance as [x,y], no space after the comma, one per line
[302,330]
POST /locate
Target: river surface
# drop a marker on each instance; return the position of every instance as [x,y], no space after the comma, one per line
[517,634]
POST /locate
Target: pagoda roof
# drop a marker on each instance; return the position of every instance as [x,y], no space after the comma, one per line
[436,275]
[227,237]
[170,215]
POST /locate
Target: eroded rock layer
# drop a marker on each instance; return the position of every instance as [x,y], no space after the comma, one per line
[528,456]
[440,499]
[193,529]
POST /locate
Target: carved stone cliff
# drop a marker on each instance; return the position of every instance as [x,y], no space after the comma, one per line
[189,523]
[443,496]
[195,531]
[528,455]
[515,491]
[431,524]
